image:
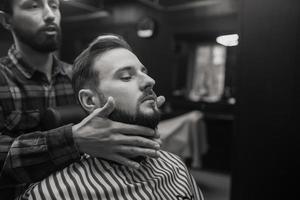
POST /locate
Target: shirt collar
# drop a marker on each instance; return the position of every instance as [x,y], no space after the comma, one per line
[27,70]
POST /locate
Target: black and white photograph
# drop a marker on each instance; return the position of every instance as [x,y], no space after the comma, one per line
[149,99]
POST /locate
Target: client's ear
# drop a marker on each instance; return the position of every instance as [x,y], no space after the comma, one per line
[5,20]
[88,100]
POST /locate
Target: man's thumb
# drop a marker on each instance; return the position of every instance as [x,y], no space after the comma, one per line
[107,108]
[160,101]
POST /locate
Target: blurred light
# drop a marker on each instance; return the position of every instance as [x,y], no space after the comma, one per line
[231,100]
[84,17]
[228,40]
[145,33]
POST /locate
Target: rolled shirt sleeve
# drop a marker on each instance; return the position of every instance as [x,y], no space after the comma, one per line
[35,155]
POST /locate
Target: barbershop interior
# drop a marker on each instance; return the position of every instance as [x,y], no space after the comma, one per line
[229,70]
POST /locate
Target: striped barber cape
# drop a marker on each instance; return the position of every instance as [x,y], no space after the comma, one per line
[164,178]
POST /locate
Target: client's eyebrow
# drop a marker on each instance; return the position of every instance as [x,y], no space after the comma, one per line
[131,68]
[127,68]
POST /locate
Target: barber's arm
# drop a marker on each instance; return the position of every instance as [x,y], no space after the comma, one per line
[33,156]
[100,137]
[29,157]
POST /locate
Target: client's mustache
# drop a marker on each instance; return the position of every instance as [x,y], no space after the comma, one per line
[148,95]
[50,27]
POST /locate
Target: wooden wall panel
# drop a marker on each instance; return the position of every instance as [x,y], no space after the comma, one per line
[267,131]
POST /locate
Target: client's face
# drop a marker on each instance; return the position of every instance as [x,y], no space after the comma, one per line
[123,77]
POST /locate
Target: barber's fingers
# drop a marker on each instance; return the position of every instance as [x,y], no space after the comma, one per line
[107,108]
[156,134]
[158,140]
[160,101]
[137,141]
[130,129]
[131,152]
[125,161]
[100,112]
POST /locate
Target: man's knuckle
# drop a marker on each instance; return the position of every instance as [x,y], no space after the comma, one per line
[113,138]
[133,151]
[114,127]
[136,140]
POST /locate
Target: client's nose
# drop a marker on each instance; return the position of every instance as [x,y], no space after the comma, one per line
[147,82]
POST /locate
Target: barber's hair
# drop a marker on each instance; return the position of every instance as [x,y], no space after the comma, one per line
[83,73]
[6,6]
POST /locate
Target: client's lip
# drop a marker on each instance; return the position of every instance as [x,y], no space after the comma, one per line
[50,28]
[149,97]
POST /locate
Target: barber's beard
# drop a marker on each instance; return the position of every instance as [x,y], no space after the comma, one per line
[150,121]
[39,41]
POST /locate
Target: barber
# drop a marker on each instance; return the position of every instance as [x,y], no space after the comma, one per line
[32,79]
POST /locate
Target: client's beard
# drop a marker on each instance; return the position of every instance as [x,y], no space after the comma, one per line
[150,121]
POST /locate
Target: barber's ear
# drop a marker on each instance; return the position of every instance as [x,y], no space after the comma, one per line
[5,20]
[88,100]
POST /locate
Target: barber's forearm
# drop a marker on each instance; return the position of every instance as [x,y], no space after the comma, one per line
[61,146]
[5,144]
[34,156]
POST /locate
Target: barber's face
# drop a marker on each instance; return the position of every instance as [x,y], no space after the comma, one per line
[124,77]
[36,23]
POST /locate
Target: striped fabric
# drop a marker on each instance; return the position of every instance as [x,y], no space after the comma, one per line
[165,178]
[28,154]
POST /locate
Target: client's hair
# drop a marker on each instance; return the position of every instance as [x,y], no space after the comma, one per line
[83,73]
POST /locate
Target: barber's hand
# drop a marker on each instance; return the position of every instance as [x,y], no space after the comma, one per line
[160,101]
[100,137]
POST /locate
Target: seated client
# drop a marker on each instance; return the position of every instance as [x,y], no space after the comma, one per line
[109,72]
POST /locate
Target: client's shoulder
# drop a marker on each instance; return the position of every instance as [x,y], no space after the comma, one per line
[167,154]
[171,158]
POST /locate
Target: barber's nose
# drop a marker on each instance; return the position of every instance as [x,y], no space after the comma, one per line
[147,82]
[49,14]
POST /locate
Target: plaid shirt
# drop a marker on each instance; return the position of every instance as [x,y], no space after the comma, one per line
[28,154]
